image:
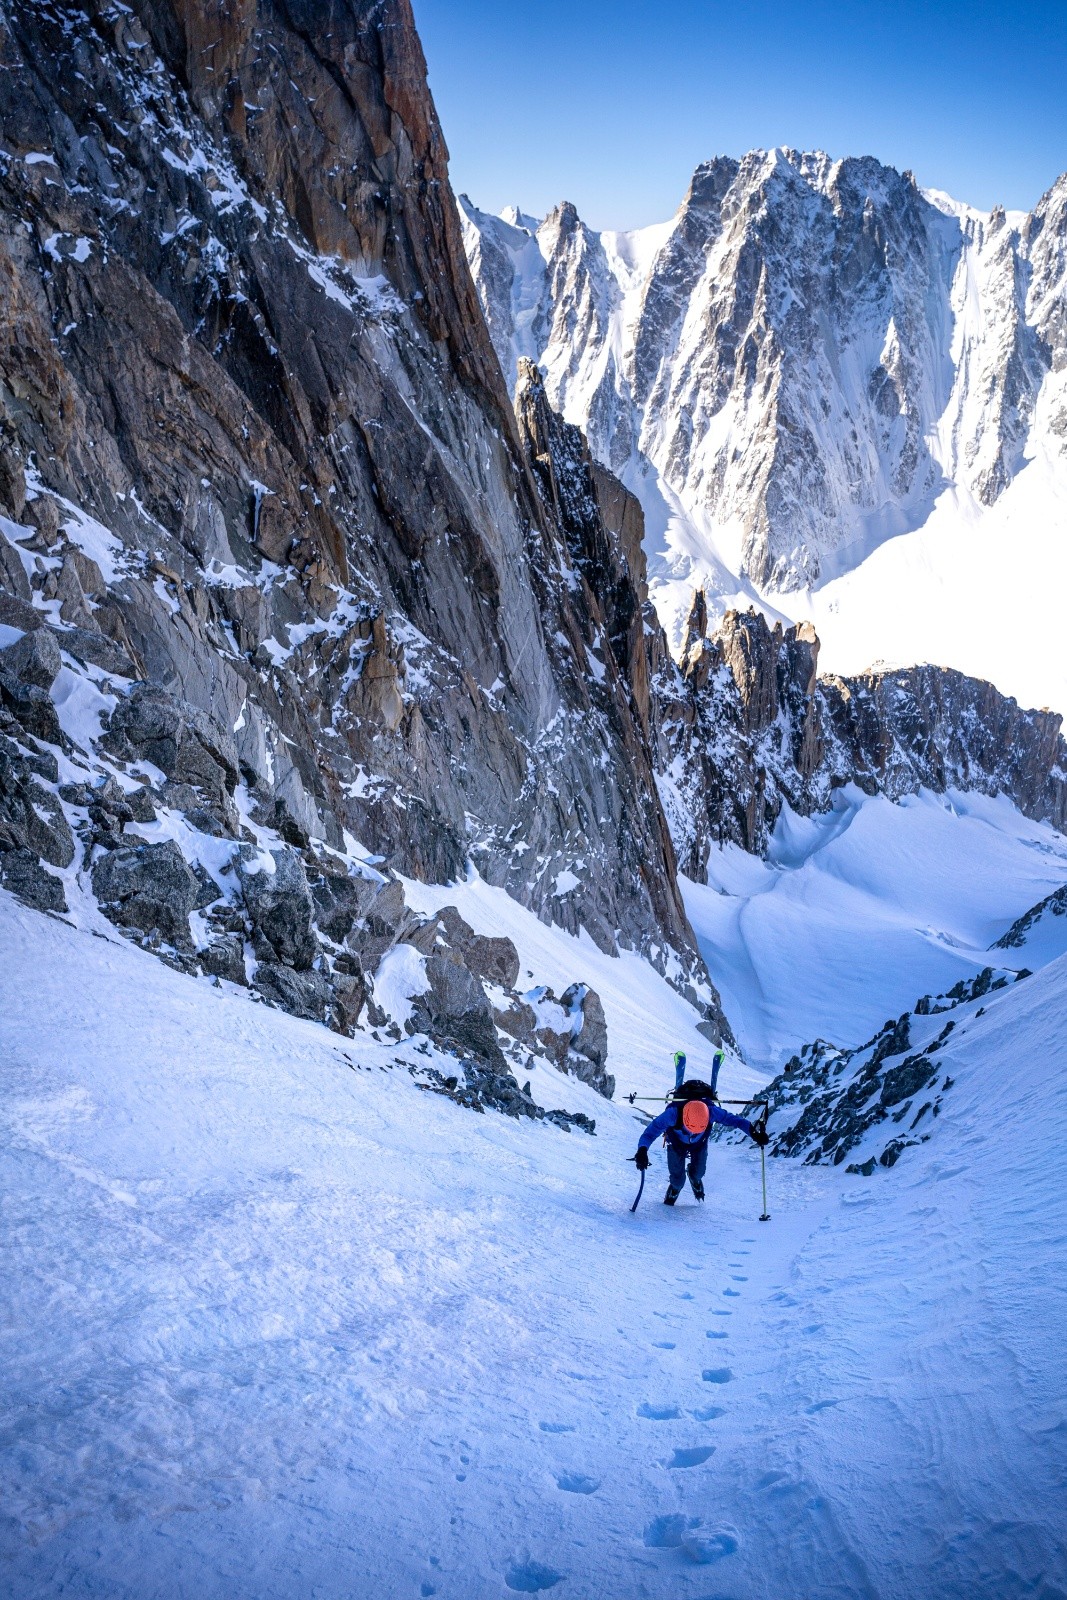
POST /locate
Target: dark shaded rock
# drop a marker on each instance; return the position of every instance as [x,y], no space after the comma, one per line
[15,613]
[341,900]
[455,1011]
[140,804]
[76,794]
[519,1020]
[34,658]
[31,707]
[208,890]
[350,998]
[184,742]
[148,887]
[279,903]
[1053,905]
[23,874]
[386,921]
[494,959]
[302,994]
[97,650]
[31,817]
[13,577]
[589,1040]
[900,1083]
[225,958]
[572,1119]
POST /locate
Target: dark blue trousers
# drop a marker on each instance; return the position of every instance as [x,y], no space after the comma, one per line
[678,1155]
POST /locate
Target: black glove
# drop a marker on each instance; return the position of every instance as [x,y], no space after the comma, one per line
[641,1159]
[759,1133]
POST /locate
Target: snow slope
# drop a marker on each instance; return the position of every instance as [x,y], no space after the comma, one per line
[276,1324]
[859,911]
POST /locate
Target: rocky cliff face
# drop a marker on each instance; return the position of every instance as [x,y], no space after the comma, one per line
[264,493]
[294,601]
[746,719]
[802,359]
[742,723]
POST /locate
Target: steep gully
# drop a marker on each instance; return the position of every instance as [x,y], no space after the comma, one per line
[282,569]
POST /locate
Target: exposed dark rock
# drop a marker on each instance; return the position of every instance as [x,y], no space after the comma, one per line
[589,1042]
[279,903]
[454,1010]
[1053,905]
[148,887]
[34,658]
[31,707]
[746,725]
[396,672]
[225,958]
[829,1099]
[518,1020]
[184,742]
[495,960]
[303,994]
[31,817]
[22,873]
[13,577]
[341,900]
[96,649]
[350,999]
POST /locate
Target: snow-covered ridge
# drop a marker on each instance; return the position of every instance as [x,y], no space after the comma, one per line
[811,359]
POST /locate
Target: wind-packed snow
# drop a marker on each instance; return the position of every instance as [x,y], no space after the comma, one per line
[859,911]
[278,1323]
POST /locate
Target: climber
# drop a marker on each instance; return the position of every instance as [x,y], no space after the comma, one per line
[686,1126]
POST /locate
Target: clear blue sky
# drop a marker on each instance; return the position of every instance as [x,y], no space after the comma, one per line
[611,103]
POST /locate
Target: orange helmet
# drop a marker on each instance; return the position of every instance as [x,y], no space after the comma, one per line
[696,1117]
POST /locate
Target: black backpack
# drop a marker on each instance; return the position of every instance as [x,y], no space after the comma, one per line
[694,1089]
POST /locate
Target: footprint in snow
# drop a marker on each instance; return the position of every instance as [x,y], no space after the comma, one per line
[717,1375]
[556,1427]
[667,1533]
[708,1413]
[577,1483]
[734,1294]
[663,1344]
[738,1280]
[716,1333]
[658,1413]
[426,1590]
[821,1405]
[529,1577]
[685,1296]
[722,1313]
[694,1457]
[704,1548]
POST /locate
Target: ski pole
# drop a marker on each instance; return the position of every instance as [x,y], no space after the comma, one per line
[640,1191]
[766,1217]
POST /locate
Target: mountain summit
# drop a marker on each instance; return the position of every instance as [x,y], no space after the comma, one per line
[808,359]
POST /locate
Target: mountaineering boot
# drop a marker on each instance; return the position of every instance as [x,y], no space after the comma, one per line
[698,1186]
[671,1196]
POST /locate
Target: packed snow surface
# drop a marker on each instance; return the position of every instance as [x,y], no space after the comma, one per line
[278,1323]
[859,911]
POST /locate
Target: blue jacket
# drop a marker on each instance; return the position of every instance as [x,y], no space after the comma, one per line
[670,1123]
